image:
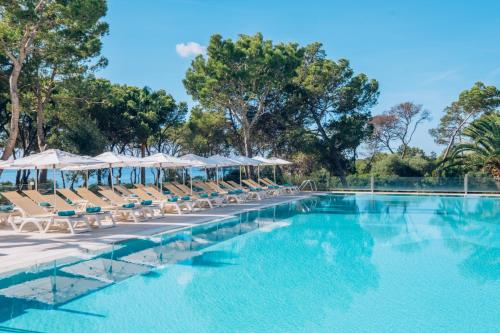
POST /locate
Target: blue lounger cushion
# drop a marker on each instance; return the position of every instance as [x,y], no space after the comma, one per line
[66,213]
[93,209]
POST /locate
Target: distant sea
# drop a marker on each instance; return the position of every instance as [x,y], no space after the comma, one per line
[126,176]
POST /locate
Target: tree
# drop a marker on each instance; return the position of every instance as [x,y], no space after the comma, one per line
[206,132]
[482,149]
[471,104]
[47,39]
[242,79]
[408,116]
[338,103]
[20,23]
[384,132]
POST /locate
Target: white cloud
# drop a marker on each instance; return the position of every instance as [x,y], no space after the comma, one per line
[189,49]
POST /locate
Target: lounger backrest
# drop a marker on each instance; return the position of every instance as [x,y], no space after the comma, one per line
[141,194]
[91,197]
[201,185]
[113,197]
[29,207]
[226,184]
[155,193]
[173,189]
[69,194]
[270,182]
[215,187]
[248,183]
[38,197]
[182,187]
[233,184]
[251,181]
[123,189]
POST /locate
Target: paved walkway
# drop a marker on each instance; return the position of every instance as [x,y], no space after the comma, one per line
[19,251]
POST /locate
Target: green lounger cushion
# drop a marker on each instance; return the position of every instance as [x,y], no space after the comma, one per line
[146,202]
[6,208]
[173,199]
[129,205]
[166,191]
[203,195]
[232,192]
[93,209]
[186,197]
[214,194]
[66,213]
[69,201]
[45,204]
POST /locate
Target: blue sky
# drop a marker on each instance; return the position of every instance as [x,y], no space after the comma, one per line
[422,51]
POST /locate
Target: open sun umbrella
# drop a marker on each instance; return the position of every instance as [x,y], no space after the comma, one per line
[163,161]
[197,161]
[223,161]
[245,161]
[114,160]
[50,159]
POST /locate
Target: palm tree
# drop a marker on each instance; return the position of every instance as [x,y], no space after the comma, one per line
[482,150]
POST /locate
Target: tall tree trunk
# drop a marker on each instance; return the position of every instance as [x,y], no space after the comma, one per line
[15,111]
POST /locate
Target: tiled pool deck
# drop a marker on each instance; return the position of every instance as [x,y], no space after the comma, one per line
[23,250]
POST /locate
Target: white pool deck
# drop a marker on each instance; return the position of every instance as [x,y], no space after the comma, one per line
[22,251]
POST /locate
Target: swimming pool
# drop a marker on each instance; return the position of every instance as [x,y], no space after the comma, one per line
[346,263]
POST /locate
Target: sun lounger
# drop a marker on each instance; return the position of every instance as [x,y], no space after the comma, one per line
[194,202]
[73,197]
[126,205]
[31,213]
[230,196]
[59,204]
[259,195]
[96,201]
[164,204]
[203,197]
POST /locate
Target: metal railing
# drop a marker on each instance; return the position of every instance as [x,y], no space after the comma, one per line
[464,185]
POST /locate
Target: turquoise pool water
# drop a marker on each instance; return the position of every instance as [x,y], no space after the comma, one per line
[353,263]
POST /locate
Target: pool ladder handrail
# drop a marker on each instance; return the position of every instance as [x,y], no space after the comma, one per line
[311,183]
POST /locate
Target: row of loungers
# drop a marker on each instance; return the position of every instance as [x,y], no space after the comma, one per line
[79,211]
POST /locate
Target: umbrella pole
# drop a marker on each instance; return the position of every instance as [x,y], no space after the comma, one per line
[87,179]
[36,179]
[111,173]
[183,176]
[258,174]
[217,175]
[54,180]
[240,175]
[191,176]
[274,173]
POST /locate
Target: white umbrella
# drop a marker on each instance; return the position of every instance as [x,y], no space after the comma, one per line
[244,160]
[223,161]
[114,160]
[277,161]
[161,160]
[197,161]
[50,159]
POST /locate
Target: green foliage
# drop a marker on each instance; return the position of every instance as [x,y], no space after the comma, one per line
[482,149]
[206,133]
[393,164]
[337,102]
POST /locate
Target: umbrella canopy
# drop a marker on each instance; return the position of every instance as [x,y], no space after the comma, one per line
[49,159]
[165,161]
[279,161]
[245,160]
[199,161]
[117,160]
[263,160]
[223,161]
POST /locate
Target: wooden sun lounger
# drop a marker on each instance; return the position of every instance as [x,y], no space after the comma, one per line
[59,204]
[118,200]
[197,198]
[164,204]
[96,201]
[31,213]
[179,193]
